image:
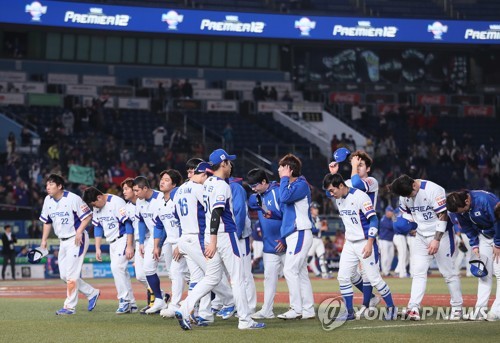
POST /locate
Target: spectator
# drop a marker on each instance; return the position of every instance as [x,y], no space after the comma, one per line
[23,252]
[187,90]
[25,137]
[258,92]
[357,114]
[273,94]
[228,137]
[287,97]
[175,89]
[159,136]
[9,251]
[10,144]
[334,143]
[68,121]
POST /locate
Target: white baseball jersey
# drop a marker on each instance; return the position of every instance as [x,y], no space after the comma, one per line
[216,194]
[424,207]
[65,215]
[355,210]
[130,209]
[371,188]
[146,209]
[189,206]
[166,217]
[111,217]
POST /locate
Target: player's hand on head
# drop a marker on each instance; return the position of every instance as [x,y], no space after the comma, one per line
[355,160]
[286,171]
[333,167]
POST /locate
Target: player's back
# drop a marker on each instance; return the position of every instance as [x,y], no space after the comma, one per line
[217,193]
[189,205]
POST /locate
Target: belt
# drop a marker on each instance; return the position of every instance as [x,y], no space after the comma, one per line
[65,239]
[117,238]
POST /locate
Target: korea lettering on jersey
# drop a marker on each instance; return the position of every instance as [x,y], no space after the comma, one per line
[148,208]
[217,194]
[111,218]
[189,207]
[65,214]
[424,207]
[130,209]
[166,219]
[295,198]
[355,210]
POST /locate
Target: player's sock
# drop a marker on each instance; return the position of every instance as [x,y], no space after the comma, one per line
[367,293]
[358,283]
[347,294]
[322,264]
[154,283]
[385,292]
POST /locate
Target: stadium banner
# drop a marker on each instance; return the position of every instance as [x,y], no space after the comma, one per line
[102,270]
[12,76]
[239,85]
[26,271]
[197,83]
[30,87]
[11,99]
[62,79]
[431,99]
[187,104]
[153,82]
[208,94]
[45,100]
[96,80]
[489,89]
[85,90]
[479,111]
[280,87]
[222,106]
[125,91]
[269,106]
[74,15]
[82,175]
[345,97]
[307,107]
[134,103]
[87,101]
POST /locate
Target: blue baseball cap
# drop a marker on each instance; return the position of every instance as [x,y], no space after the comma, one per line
[203,167]
[341,154]
[35,255]
[220,155]
[478,267]
[389,208]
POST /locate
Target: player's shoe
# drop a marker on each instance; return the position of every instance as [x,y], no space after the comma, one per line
[374,301]
[144,309]
[215,310]
[309,316]
[260,315]
[168,312]
[290,315]
[478,314]
[227,312]
[93,300]
[124,307]
[65,312]
[413,314]
[158,305]
[199,321]
[361,312]
[326,276]
[253,326]
[392,313]
[134,308]
[492,316]
[455,314]
[183,322]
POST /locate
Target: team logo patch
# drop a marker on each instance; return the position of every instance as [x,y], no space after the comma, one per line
[441,200]
[368,206]
[220,198]
[84,208]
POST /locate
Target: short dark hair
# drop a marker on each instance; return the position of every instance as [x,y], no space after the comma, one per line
[257,175]
[193,163]
[90,195]
[293,162]
[217,166]
[128,181]
[57,179]
[402,186]
[141,182]
[334,180]
[174,175]
[7,227]
[363,156]
[497,211]
[455,200]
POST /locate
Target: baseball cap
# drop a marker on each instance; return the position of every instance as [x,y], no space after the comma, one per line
[389,208]
[478,267]
[314,204]
[35,255]
[220,155]
[341,154]
[203,167]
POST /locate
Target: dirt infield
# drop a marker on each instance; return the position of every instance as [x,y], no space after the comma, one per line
[108,292]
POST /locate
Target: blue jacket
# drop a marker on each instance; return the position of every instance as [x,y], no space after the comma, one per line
[385,229]
[295,199]
[239,205]
[270,227]
[480,219]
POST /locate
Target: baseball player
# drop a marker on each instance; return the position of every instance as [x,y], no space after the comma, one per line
[266,203]
[69,216]
[361,164]
[221,245]
[475,211]
[385,238]
[133,241]
[361,227]
[148,204]
[317,247]
[295,198]
[110,220]
[243,231]
[424,203]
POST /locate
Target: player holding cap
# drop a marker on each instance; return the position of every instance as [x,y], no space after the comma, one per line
[221,245]
[69,215]
[424,203]
[475,212]
[361,226]
[110,220]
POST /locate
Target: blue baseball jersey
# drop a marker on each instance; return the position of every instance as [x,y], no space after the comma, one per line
[295,199]
[240,209]
[385,229]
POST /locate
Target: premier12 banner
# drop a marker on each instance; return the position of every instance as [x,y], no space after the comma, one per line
[238,24]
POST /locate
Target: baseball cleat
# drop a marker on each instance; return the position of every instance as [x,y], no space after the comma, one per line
[309,316]
[289,315]
[124,307]
[199,321]
[254,326]
[134,308]
[326,276]
[413,314]
[492,316]
[158,305]
[260,315]
[65,312]
[374,301]
[183,322]
[168,312]
[227,312]
[215,310]
[144,309]
[93,300]
[392,313]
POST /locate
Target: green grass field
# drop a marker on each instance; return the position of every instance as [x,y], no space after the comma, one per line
[33,320]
